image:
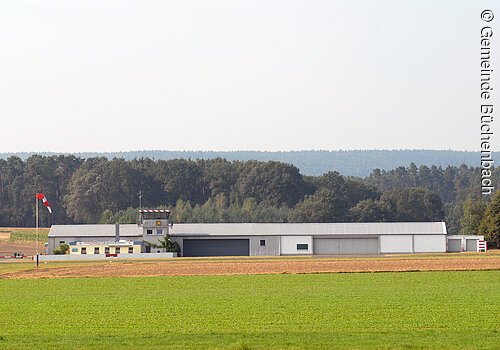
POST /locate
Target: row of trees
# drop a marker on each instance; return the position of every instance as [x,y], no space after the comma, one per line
[101,190]
[452,184]
[481,218]
[313,162]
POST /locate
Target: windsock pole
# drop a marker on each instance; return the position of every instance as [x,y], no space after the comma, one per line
[36,230]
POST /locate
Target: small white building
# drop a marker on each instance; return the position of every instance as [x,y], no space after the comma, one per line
[463,243]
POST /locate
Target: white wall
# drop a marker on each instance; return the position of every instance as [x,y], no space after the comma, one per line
[430,243]
[68,257]
[289,244]
[396,244]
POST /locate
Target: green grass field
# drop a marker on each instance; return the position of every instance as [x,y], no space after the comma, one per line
[26,234]
[413,310]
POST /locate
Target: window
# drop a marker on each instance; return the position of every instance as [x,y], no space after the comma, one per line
[149,232]
[61,242]
[96,250]
[130,250]
[106,250]
[159,231]
[84,250]
[74,250]
[302,246]
[262,242]
[117,250]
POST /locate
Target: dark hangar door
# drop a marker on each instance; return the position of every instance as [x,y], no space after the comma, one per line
[216,247]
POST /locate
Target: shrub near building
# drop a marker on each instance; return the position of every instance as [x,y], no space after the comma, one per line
[62,249]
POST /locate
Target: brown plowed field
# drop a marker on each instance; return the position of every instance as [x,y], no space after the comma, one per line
[189,267]
[27,248]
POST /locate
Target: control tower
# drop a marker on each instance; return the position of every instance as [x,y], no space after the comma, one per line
[155,225]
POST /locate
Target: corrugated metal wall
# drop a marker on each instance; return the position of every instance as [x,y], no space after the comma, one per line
[271,246]
[429,243]
[345,246]
[471,245]
[454,245]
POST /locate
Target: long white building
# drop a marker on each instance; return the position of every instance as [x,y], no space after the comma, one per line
[266,239]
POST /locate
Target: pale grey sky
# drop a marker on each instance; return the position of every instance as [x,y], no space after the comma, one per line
[231,75]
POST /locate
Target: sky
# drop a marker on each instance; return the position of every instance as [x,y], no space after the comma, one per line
[100,76]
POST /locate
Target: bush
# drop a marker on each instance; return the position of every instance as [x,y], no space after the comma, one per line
[167,244]
[62,249]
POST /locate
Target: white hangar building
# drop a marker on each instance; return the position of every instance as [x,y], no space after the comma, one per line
[263,239]
[309,238]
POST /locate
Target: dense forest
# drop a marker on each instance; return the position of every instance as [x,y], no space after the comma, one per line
[314,162]
[99,190]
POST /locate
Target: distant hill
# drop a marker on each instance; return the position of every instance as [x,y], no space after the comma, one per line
[355,163]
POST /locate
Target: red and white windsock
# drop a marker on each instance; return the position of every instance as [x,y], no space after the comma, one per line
[45,201]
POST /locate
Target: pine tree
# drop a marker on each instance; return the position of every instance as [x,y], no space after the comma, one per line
[490,225]
[472,216]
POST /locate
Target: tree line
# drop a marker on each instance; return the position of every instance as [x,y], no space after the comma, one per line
[99,190]
[312,162]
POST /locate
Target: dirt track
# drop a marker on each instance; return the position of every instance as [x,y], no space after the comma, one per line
[181,267]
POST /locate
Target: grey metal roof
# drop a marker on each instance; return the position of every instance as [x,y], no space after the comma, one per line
[386,228]
[465,236]
[126,230]
[246,229]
